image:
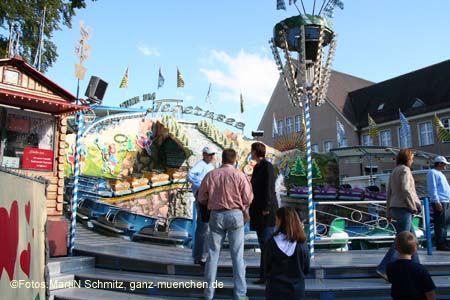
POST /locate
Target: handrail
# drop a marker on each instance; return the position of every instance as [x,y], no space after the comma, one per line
[426,211]
[358,236]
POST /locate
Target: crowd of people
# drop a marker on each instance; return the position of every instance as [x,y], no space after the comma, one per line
[227,199]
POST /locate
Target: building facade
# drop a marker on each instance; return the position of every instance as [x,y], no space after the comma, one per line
[342,121]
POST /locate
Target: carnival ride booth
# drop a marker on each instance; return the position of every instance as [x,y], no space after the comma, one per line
[356,203]
[134,178]
[33,112]
[361,199]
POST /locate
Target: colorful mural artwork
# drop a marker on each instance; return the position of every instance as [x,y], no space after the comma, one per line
[114,150]
[22,222]
[324,169]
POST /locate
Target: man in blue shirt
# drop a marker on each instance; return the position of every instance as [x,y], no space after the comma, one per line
[439,191]
[195,177]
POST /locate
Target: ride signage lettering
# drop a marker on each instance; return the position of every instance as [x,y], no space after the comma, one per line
[136,100]
[197,111]
[163,106]
[37,159]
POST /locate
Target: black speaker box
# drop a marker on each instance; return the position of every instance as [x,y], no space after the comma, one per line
[96,89]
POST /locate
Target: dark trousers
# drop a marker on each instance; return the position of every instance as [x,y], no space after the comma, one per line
[201,234]
[441,222]
[263,236]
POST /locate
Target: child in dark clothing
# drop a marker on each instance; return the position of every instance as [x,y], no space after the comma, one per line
[409,280]
[286,257]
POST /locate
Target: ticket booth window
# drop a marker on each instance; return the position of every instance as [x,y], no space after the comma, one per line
[27,140]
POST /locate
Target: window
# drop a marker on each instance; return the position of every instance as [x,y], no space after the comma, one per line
[425,134]
[11,76]
[367,140]
[403,141]
[27,141]
[327,145]
[418,103]
[446,123]
[343,143]
[298,123]
[385,138]
[280,127]
[315,148]
[289,128]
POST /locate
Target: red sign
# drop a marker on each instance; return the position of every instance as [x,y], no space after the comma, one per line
[37,159]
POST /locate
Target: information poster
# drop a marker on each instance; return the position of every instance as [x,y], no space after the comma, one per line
[37,159]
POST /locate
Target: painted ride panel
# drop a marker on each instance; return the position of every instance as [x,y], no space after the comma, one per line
[346,192]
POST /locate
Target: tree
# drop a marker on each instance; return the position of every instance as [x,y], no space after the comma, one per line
[25,17]
[299,169]
[316,170]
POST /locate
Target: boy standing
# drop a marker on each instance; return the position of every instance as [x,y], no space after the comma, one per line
[409,280]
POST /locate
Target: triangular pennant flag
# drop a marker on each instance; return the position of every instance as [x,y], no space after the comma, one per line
[208,95]
[442,133]
[124,82]
[341,139]
[281,5]
[160,79]
[180,81]
[405,129]
[242,104]
[303,142]
[373,128]
[274,127]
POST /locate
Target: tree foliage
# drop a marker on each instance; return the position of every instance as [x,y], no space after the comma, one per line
[24,16]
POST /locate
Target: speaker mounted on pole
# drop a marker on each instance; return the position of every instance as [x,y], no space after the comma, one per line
[96,90]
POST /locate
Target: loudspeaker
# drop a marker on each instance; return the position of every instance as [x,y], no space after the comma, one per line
[257,133]
[96,89]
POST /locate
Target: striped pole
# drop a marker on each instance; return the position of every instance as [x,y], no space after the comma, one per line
[76,172]
[312,226]
[194,226]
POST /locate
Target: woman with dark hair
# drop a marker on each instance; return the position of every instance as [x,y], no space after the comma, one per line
[286,257]
[401,203]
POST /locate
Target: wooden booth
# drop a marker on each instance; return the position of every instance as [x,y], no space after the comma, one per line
[33,111]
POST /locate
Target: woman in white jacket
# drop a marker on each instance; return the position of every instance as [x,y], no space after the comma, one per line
[401,204]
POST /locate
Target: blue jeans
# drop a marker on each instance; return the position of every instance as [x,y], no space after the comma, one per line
[221,223]
[403,218]
[201,234]
[263,236]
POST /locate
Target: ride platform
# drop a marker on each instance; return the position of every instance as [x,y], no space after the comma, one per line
[124,269]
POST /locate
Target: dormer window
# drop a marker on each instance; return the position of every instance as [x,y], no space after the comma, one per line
[418,103]
[380,107]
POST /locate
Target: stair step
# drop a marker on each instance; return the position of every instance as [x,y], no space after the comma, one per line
[62,281]
[70,264]
[137,283]
[98,294]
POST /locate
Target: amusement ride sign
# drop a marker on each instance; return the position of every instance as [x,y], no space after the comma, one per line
[164,107]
